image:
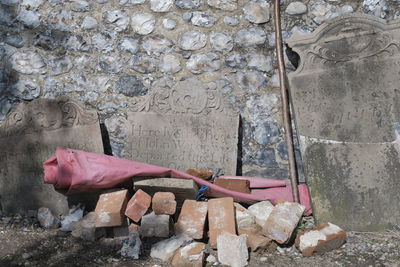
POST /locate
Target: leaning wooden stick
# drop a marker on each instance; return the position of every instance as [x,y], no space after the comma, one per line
[285,102]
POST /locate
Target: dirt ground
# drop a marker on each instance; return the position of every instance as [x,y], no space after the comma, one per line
[25,244]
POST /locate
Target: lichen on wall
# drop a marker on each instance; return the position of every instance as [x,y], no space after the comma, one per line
[107,52]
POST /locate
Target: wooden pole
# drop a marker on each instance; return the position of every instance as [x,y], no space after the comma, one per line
[285,102]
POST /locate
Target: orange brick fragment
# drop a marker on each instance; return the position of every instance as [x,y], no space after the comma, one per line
[237,185]
[110,209]
[221,218]
[138,205]
[164,203]
[203,174]
[192,219]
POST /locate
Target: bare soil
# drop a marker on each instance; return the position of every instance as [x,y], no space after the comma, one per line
[30,245]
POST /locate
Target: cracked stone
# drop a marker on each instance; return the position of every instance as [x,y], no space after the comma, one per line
[75,43]
[129,44]
[228,5]
[259,62]
[221,41]
[110,64]
[89,23]
[14,40]
[236,61]
[156,45]
[250,37]
[202,19]
[230,21]
[296,8]
[26,89]
[143,64]
[31,4]
[102,42]
[250,80]
[131,2]
[60,65]
[80,6]
[257,11]
[130,85]
[192,40]
[203,62]
[61,20]
[118,18]
[169,24]
[30,19]
[170,64]
[28,62]
[267,133]
[161,5]
[188,4]
[143,23]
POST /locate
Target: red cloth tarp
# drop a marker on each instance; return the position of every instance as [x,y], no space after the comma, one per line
[74,171]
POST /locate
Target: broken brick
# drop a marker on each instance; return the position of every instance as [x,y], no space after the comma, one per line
[232,249]
[166,249]
[221,218]
[243,216]
[153,225]
[322,238]
[110,209]
[192,219]
[202,174]
[255,240]
[138,205]
[191,255]
[237,185]
[164,203]
[261,211]
[282,221]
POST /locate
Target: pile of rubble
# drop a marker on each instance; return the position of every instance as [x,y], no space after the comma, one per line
[166,208]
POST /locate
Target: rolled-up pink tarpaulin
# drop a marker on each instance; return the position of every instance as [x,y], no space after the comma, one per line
[73,171]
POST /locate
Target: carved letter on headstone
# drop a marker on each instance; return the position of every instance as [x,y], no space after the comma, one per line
[184,127]
[29,136]
[345,96]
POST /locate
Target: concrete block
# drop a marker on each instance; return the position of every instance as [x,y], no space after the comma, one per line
[243,216]
[282,221]
[153,225]
[86,228]
[232,250]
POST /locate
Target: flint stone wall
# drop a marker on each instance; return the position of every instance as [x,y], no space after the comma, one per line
[107,53]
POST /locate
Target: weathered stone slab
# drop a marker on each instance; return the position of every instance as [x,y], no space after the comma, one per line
[29,136]
[346,100]
[183,127]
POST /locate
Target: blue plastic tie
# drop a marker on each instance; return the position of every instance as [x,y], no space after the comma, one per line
[203,188]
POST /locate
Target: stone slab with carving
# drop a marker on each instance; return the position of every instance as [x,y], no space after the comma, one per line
[346,99]
[29,136]
[184,127]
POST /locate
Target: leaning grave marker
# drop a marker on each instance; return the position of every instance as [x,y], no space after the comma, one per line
[29,136]
[346,96]
[184,127]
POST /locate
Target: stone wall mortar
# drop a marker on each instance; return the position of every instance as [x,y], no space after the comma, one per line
[106,53]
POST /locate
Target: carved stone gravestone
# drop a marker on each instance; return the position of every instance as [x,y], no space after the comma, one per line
[346,96]
[183,127]
[29,136]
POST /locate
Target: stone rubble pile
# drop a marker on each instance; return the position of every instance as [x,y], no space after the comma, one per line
[189,231]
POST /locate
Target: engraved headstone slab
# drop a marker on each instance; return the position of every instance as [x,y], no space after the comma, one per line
[345,95]
[183,127]
[28,137]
